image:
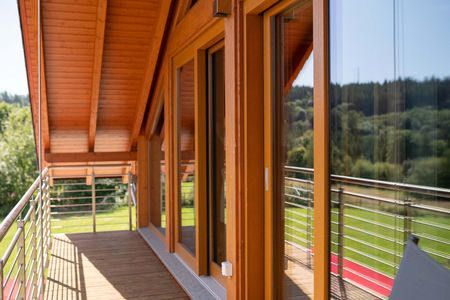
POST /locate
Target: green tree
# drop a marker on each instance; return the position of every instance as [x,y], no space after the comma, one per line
[17,156]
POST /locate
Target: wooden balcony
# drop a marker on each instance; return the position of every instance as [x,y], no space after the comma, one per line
[107,265]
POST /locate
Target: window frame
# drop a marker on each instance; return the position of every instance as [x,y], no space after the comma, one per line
[214,268]
[321,148]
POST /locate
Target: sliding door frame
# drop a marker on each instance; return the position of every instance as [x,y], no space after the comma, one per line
[321,150]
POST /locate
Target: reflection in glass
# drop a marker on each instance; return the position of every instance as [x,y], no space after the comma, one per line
[294,135]
[217,156]
[162,176]
[390,137]
[186,156]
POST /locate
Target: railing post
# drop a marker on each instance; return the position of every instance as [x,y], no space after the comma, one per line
[1,279]
[94,204]
[308,226]
[34,287]
[21,259]
[42,240]
[407,220]
[48,217]
[130,221]
[341,244]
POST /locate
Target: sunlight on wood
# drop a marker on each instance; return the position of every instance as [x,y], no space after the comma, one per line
[109,265]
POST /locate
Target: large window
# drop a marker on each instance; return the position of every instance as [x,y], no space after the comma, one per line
[389,138]
[216,154]
[186,157]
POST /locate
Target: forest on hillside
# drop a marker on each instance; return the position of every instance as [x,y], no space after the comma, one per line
[18,167]
[395,131]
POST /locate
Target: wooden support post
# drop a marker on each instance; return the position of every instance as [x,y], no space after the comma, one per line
[142,182]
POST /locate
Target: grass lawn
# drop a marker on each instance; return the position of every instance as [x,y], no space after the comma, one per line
[117,219]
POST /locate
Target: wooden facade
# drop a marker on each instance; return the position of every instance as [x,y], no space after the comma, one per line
[110,74]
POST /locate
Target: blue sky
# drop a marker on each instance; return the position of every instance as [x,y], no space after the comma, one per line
[363,33]
[362,44]
[362,41]
[12,62]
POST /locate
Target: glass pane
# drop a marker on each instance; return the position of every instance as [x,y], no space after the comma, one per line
[390,106]
[186,155]
[294,114]
[217,156]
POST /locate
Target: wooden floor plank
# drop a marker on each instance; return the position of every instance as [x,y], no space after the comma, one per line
[107,265]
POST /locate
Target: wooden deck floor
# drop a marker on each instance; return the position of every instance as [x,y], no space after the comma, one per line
[107,265]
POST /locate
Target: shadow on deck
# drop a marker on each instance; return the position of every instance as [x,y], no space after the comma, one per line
[107,265]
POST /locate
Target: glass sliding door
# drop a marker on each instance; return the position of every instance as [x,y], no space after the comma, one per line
[389,139]
[216,159]
[186,157]
[292,111]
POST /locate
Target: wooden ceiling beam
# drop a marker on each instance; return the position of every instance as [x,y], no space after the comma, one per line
[89,157]
[32,78]
[150,71]
[97,71]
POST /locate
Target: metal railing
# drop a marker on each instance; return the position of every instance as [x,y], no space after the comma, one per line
[370,223]
[24,262]
[55,204]
[105,202]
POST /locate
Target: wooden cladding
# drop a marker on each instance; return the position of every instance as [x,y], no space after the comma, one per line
[97,66]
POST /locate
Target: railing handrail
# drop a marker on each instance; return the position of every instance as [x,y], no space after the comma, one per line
[15,212]
[428,190]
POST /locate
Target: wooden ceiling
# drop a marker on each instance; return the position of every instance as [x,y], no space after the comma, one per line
[97,65]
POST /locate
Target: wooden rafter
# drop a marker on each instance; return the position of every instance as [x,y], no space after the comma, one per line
[33,84]
[97,70]
[150,71]
[89,157]
[44,103]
